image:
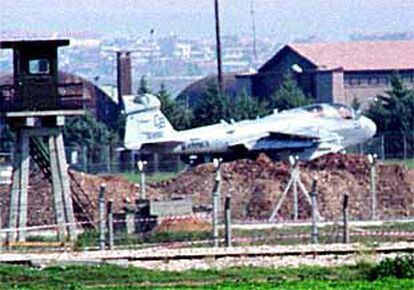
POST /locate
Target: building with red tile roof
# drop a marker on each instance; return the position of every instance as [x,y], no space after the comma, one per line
[339,71]
[332,72]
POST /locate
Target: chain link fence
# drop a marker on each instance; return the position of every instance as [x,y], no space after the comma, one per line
[115,214]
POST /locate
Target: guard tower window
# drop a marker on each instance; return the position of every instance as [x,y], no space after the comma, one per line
[39,66]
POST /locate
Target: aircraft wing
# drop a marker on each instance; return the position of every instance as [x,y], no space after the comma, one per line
[160,143]
[274,140]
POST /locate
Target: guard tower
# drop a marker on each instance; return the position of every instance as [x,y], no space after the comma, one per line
[35,107]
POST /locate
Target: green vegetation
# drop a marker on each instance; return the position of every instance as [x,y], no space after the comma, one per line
[90,238]
[212,107]
[144,87]
[394,115]
[155,177]
[96,137]
[361,276]
[394,112]
[288,96]
[400,267]
[275,236]
[327,234]
[408,162]
[175,111]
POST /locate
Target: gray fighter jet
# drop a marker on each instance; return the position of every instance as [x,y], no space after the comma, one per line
[307,132]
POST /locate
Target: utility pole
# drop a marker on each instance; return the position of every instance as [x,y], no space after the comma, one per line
[252,12]
[218,48]
[151,72]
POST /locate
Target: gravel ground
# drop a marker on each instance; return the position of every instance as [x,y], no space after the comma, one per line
[217,258]
[292,261]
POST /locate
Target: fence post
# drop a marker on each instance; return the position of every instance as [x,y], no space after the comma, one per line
[216,196]
[101,204]
[294,162]
[108,158]
[227,221]
[1,226]
[313,194]
[110,224]
[345,218]
[405,147]
[373,184]
[382,147]
[141,166]
[84,159]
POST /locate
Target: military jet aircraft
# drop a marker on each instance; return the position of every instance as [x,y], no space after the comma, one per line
[307,132]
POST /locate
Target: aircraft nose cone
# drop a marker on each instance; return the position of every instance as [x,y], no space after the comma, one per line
[369,127]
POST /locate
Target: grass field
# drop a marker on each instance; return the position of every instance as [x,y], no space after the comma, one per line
[361,276]
[408,162]
[156,177]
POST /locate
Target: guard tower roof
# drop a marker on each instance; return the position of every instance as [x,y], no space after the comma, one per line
[27,43]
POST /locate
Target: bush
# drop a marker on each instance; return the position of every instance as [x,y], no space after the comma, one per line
[399,267]
[165,237]
[89,238]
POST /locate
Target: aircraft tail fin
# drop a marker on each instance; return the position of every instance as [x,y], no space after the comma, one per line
[145,123]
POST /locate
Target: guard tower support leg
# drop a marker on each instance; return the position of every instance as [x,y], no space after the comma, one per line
[57,188]
[24,183]
[64,177]
[60,184]
[15,193]
[18,196]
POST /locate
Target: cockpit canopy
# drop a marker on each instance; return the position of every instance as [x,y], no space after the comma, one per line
[330,110]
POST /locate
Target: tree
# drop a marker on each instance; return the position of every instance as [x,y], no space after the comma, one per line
[86,131]
[175,111]
[394,112]
[394,117]
[245,107]
[144,87]
[356,104]
[212,108]
[8,138]
[288,96]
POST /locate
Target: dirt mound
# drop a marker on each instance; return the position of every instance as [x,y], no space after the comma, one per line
[256,186]
[85,191]
[86,187]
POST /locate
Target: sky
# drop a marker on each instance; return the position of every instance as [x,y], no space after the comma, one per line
[282,20]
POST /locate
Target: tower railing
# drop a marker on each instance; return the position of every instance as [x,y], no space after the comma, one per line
[71,97]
